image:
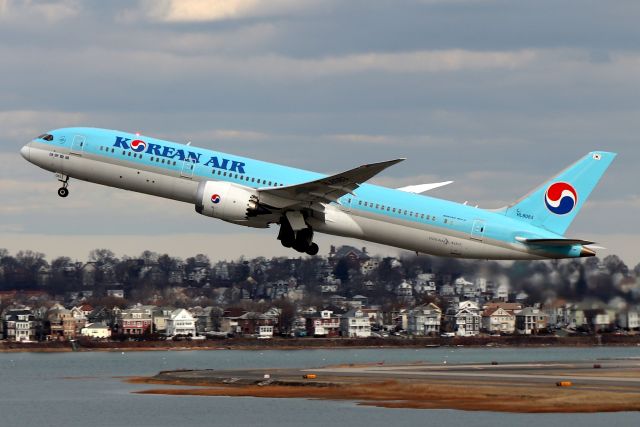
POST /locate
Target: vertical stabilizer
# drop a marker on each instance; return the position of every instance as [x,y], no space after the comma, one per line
[555,204]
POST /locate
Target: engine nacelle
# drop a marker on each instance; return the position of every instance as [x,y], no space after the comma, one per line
[226,201]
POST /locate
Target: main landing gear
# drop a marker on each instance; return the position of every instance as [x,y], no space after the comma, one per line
[63,191]
[301,240]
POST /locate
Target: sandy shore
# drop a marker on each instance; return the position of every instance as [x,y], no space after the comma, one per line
[529,388]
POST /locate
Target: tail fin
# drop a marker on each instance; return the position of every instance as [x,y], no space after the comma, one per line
[556,203]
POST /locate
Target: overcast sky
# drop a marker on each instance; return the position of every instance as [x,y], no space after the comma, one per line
[495,95]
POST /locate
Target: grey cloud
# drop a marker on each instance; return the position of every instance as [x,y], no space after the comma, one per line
[496,95]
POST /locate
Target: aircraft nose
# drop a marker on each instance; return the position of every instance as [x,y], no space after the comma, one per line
[26,152]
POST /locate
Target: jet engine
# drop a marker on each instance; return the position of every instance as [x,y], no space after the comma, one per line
[227,201]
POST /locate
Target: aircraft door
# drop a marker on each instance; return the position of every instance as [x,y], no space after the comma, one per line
[188,167]
[78,145]
[477,229]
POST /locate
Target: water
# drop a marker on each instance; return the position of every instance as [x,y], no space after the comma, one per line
[79,389]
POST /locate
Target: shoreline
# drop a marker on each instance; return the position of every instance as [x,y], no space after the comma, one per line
[322,343]
[528,387]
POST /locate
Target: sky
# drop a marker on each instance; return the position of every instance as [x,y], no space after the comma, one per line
[494,95]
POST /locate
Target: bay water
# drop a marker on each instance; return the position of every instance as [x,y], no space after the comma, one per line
[88,388]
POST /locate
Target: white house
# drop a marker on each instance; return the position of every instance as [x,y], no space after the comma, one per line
[96,330]
[355,324]
[497,319]
[629,319]
[181,322]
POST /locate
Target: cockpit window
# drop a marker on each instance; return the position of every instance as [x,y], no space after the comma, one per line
[46,137]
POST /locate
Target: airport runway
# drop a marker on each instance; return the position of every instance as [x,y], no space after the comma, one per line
[603,372]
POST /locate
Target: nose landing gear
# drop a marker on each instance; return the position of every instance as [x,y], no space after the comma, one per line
[63,191]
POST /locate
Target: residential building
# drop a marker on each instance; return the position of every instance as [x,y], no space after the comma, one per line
[629,319]
[134,321]
[466,322]
[181,322]
[19,325]
[323,325]
[531,320]
[424,320]
[355,324]
[96,330]
[498,320]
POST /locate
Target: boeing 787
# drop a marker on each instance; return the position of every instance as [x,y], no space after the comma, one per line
[257,194]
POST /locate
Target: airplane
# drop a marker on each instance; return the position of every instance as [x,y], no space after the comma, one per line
[257,194]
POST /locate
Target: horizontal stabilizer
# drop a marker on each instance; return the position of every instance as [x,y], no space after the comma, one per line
[421,188]
[554,242]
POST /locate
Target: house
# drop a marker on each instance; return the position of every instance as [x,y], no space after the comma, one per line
[464,319]
[424,320]
[629,319]
[498,320]
[355,256]
[247,323]
[96,330]
[265,331]
[467,322]
[531,320]
[404,289]
[425,283]
[19,325]
[501,292]
[182,323]
[324,325]
[65,324]
[159,318]
[134,321]
[355,324]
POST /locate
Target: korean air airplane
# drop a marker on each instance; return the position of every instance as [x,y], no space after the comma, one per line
[257,194]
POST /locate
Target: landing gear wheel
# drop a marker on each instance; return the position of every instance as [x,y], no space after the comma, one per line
[313,249]
[63,191]
[286,236]
[303,241]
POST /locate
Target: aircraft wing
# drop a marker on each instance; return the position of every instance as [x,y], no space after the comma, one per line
[330,188]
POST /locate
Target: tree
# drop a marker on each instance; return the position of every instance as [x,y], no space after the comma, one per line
[287,315]
[102,257]
[614,264]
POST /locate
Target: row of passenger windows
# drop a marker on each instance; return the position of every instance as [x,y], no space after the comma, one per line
[215,171]
[138,156]
[246,178]
[398,210]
